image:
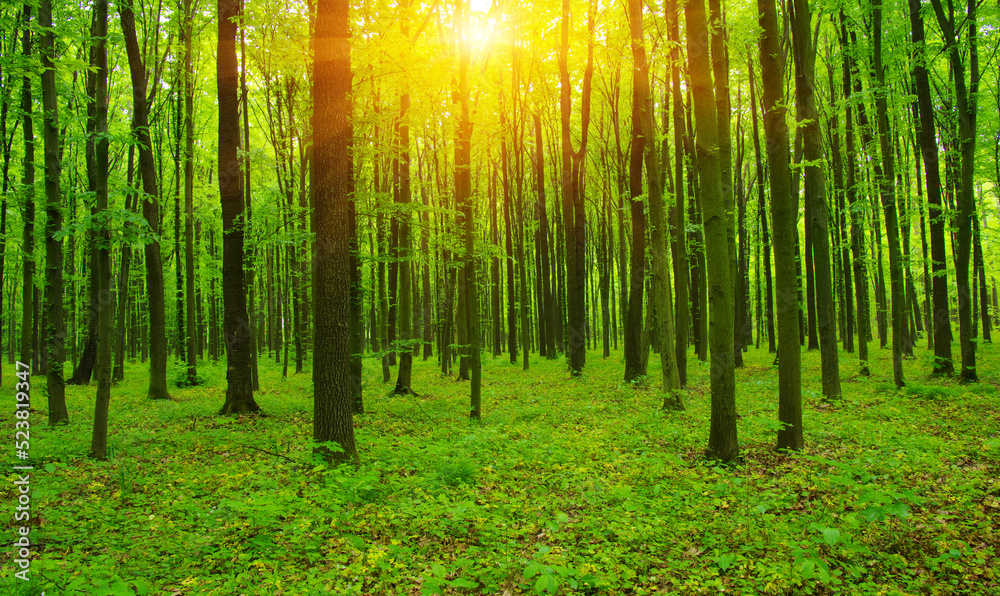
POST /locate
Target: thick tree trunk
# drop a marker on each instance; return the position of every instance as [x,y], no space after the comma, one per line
[99,438]
[332,186]
[681,319]
[966,105]
[55,336]
[239,388]
[815,197]
[940,321]
[722,442]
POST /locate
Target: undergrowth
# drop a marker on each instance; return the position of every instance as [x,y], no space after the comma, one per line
[567,486]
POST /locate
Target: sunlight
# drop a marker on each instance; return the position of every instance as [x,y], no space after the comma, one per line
[482,6]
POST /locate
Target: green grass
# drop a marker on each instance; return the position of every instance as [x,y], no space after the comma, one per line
[568,486]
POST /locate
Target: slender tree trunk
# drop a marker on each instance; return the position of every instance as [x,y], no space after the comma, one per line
[123,277]
[549,317]
[189,292]
[857,223]
[150,208]
[405,266]
[762,218]
[463,196]
[680,256]
[984,298]
[888,196]
[511,300]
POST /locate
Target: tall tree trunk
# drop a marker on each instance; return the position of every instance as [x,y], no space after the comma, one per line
[123,277]
[405,266]
[722,442]
[150,209]
[188,91]
[99,438]
[332,186]
[765,235]
[249,266]
[966,105]
[680,256]
[984,298]
[55,338]
[239,386]
[643,133]
[28,184]
[509,257]
[463,196]
[784,216]
[888,195]
[549,318]
[815,198]
[857,223]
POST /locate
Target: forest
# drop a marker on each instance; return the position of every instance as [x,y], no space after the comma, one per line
[491,297]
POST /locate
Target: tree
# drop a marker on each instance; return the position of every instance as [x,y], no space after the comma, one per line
[644,135]
[941,332]
[239,386]
[187,89]
[56,326]
[99,439]
[784,214]
[887,193]
[28,202]
[332,187]
[722,443]
[405,248]
[463,196]
[573,163]
[966,100]
[150,210]
[815,197]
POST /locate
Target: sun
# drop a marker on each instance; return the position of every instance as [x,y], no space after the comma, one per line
[482,6]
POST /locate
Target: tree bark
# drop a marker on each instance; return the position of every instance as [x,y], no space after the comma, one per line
[55,336]
[150,209]
[722,442]
[784,216]
[643,142]
[236,322]
[815,198]
[28,184]
[99,438]
[332,186]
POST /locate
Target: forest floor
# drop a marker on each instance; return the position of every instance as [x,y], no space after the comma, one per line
[568,486]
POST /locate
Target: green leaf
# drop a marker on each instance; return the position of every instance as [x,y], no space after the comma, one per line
[831,536]
[463,583]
